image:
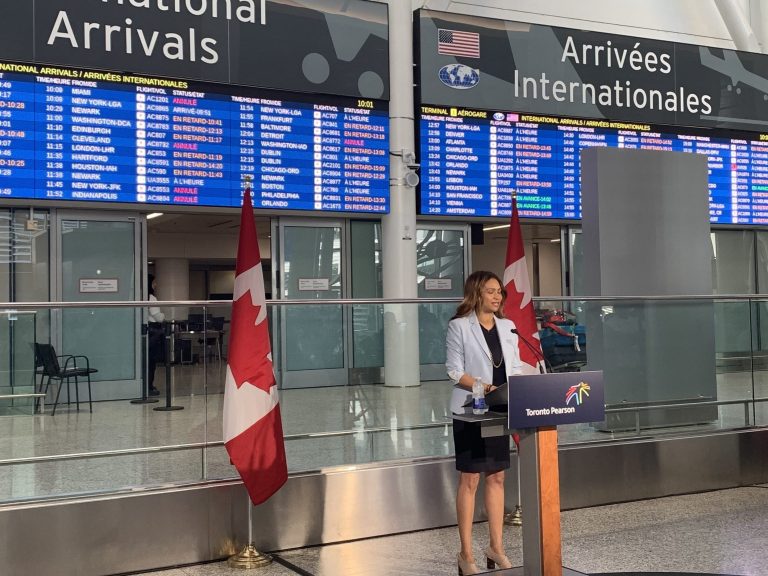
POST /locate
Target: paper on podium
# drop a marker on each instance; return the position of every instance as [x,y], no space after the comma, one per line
[498,397]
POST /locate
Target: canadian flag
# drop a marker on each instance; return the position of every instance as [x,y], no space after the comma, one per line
[518,306]
[253,429]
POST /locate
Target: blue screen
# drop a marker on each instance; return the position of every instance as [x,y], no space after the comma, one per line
[472,161]
[66,136]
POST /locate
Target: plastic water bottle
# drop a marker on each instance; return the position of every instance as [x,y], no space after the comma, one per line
[478,397]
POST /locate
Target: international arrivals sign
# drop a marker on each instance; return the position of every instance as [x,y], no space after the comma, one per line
[482,63]
[125,38]
[318,46]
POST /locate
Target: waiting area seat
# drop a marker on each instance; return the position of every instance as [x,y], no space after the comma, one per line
[46,357]
[200,335]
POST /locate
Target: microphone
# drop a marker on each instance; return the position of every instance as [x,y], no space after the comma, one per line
[532,348]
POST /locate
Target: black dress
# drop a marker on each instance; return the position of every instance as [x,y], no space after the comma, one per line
[473,452]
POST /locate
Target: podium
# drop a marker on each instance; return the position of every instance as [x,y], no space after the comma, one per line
[537,404]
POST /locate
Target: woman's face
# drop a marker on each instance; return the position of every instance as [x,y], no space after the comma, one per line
[490,296]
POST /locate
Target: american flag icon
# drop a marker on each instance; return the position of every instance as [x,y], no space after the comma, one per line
[457,43]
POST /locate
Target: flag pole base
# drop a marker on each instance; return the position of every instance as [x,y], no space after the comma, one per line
[514,518]
[249,558]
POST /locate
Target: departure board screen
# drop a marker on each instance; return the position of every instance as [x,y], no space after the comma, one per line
[473,160]
[88,136]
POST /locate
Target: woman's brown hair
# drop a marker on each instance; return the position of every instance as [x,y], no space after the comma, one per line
[473,294]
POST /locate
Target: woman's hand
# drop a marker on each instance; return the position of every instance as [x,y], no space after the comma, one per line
[489,388]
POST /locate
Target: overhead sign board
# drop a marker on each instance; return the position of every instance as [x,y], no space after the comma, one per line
[326,46]
[491,64]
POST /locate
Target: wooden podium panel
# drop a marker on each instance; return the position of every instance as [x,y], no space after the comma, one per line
[549,504]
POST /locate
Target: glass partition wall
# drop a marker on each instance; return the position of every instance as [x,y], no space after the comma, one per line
[144,441]
[739,266]
[24,277]
[332,345]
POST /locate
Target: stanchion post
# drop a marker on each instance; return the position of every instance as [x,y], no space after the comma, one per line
[168,392]
[145,399]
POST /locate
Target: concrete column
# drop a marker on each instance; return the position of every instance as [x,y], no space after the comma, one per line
[736,20]
[172,275]
[401,330]
[756,12]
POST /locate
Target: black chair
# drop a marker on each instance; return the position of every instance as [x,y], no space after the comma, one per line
[46,356]
[215,323]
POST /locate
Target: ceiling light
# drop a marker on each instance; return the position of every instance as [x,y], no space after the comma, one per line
[154,215]
[495,227]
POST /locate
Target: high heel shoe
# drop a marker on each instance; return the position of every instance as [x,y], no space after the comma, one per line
[494,559]
[466,568]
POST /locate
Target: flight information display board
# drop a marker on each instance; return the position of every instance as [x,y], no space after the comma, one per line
[91,136]
[473,160]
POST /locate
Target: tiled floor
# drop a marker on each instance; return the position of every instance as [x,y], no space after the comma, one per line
[724,532]
[374,424]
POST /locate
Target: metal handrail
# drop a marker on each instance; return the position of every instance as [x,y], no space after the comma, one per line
[638,409]
[11,311]
[683,405]
[14,306]
[367,430]
[339,433]
[203,445]
[6,307]
[109,453]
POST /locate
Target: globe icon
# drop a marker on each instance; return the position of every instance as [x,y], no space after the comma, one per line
[459,76]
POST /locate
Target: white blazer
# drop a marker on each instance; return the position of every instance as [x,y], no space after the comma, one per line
[466,352]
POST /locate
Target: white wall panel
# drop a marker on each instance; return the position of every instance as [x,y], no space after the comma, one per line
[198,246]
[691,21]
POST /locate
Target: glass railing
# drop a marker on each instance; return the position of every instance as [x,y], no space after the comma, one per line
[673,366]
[17,374]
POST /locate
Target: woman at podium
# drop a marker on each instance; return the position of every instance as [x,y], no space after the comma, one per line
[480,343]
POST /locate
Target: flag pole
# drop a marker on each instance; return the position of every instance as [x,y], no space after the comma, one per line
[516,518]
[249,558]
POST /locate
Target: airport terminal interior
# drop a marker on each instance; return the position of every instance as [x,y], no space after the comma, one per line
[383,144]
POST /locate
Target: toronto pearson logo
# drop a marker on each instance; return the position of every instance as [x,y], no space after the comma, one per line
[577,392]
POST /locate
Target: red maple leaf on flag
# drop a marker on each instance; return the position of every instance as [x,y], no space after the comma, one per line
[249,348]
[525,322]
